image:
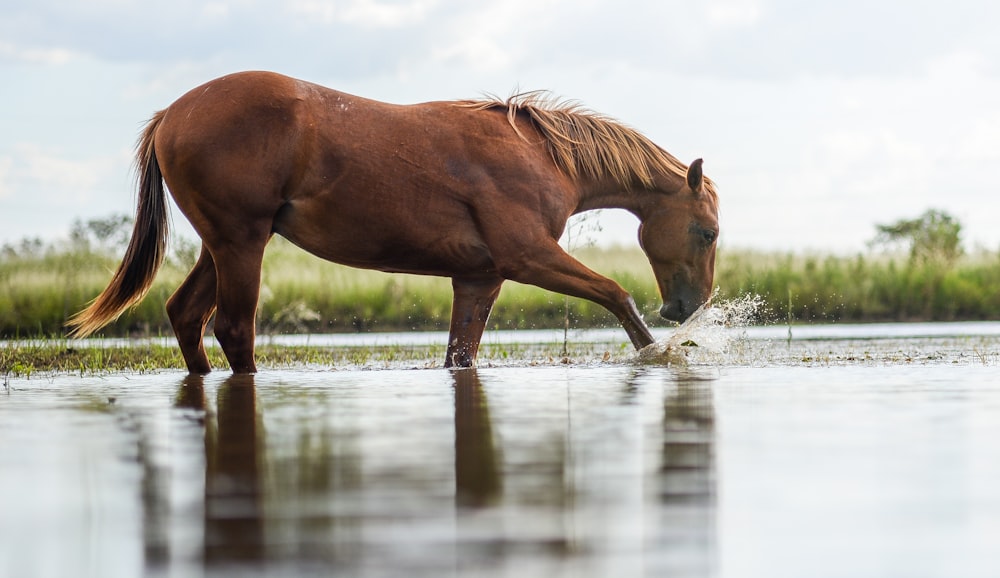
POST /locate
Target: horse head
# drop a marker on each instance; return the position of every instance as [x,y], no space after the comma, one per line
[679,234]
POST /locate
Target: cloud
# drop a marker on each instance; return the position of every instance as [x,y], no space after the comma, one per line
[369,37]
[728,14]
[780,39]
[26,55]
[6,163]
[42,189]
[369,14]
[502,36]
[846,113]
[58,179]
[725,38]
[353,37]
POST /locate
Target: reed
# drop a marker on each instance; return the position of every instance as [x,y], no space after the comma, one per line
[39,290]
[864,288]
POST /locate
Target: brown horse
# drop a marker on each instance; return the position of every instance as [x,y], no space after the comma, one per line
[478,191]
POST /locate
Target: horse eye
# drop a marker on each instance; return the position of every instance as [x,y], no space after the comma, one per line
[705,236]
[708,236]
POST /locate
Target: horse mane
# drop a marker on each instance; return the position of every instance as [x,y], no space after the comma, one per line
[586,143]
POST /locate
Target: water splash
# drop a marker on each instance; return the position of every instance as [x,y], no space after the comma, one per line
[713,329]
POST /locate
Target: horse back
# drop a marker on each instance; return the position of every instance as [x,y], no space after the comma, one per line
[354,180]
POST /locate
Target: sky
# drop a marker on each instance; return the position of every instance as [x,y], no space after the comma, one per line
[817,120]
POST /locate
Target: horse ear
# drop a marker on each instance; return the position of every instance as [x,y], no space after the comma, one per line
[694,176]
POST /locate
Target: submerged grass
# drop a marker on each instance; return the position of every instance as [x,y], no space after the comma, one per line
[46,356]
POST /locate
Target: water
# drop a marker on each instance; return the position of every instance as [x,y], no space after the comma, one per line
[841,452]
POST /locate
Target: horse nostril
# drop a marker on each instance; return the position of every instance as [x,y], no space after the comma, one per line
[673,311]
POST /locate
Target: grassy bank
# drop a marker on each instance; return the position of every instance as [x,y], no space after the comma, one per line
[40,289]
[865,288]
[28,358]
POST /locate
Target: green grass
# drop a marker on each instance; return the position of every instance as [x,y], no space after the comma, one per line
[301,293]
[864,288]
[26,358]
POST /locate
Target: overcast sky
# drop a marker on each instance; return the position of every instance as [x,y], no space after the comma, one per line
[817,119]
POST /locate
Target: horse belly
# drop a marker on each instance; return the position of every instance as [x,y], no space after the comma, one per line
[418,242]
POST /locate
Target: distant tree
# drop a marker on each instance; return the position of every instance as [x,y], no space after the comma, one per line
[109,234]
[184,252]
[27,247]
[934,236]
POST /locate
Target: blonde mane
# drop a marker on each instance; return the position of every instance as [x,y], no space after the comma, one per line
[587,144]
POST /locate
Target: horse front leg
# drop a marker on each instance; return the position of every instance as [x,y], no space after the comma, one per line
[636,329]
[550,267]
[470,311]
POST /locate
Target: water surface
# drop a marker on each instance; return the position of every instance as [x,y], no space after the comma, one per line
[838,456]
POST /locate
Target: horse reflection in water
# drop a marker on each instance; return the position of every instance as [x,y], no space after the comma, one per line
[540,485]
[234,448]
[477,461]
[234,525]
[686,485]
[477,191]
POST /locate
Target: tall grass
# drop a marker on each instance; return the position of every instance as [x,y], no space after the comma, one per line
[300,293]
[874,287]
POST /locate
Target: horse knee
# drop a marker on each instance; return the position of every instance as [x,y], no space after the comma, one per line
[175,312]
[188,324]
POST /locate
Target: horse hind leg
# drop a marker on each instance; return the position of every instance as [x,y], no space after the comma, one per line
[238,271]
[190,308]
[470,311]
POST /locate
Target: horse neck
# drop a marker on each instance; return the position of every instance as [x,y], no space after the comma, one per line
[638,200]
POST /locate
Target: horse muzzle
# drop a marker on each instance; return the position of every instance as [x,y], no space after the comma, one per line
[677,310]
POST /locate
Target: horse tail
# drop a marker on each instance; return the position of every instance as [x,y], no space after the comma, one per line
[146,248]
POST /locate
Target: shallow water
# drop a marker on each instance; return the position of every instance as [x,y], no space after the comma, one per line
[854,455]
